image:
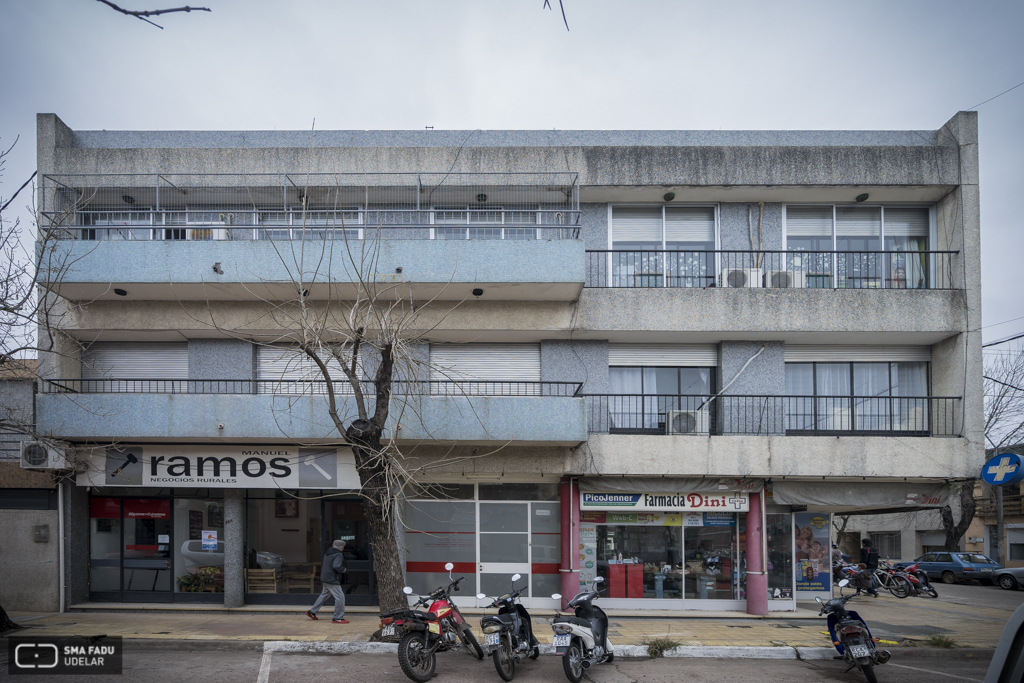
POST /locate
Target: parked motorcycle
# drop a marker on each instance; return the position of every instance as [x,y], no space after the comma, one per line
[582,641]
[919,579]
[851,635]
[423,634]
[508,637]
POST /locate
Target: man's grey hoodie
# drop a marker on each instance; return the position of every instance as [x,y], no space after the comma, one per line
[333,567]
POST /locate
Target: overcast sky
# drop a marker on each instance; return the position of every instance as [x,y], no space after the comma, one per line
[509,64]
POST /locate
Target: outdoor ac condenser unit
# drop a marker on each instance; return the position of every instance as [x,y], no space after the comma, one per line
[741,277]
[784,279]
[37,456]
[687,421]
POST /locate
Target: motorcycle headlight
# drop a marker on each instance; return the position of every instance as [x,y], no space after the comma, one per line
[491,628]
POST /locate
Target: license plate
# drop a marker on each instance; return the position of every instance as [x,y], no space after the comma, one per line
[388,630]
[860,650]
[561,641]
[491,638]
[434,628]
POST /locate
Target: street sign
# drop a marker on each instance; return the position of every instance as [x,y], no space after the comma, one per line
[1003,469]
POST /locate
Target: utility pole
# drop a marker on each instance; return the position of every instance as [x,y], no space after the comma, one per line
[997,543]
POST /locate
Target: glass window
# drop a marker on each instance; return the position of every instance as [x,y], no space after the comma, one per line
[651,564]
[648,395]
[943,557]
[193,516]
[887,544]
[518,492]
[711,562]
[105,545]
[780,555]
[437,532]
[546,548]
[283,534]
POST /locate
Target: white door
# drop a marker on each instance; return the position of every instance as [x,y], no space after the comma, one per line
[520,538]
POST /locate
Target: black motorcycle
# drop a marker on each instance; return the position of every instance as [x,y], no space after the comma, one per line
[508,637]
[851,636]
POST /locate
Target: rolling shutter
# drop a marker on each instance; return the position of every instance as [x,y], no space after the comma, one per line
[514,362]
[663,355]
[839,353]
[906,222]
[133,360]
[858,222]
[809,221]
[636,224]
[690,224]
[282,362]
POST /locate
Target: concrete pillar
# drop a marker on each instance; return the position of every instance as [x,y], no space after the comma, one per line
[570,544]
[234,547]
[757,578]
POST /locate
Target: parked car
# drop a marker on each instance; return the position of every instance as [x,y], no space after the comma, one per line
[1009,578]
[953,567]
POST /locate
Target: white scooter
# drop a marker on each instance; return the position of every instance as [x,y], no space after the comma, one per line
[582,641]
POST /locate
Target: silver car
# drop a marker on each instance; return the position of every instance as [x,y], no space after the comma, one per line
[1009,578]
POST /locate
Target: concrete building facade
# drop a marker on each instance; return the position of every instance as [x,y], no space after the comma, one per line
[661,357]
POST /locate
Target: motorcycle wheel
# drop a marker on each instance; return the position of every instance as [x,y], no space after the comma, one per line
[900,587]
[869,673]
[572,662]
[503,662]
[932,592]
[412,657]
[469,640]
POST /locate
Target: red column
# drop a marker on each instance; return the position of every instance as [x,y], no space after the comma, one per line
[757,579]
[570,509]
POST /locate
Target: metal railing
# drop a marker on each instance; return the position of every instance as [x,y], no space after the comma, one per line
[986,507]
[772,269]
[165,206]
[302,387]
[773,415]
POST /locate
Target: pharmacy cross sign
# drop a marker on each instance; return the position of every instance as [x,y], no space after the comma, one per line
[1003,469]
[738,503]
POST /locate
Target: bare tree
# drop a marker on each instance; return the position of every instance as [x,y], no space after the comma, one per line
[143,14]
[1004,427]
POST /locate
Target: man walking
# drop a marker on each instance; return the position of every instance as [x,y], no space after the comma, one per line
[330,577]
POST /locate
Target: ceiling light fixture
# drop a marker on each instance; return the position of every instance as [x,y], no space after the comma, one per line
[120,292]
[478,292]
[669,196]
[862,197]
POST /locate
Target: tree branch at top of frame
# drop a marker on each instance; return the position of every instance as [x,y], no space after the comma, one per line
[142,14]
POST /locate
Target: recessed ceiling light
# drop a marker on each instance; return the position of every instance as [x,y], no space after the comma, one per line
[862,197]
[120,292]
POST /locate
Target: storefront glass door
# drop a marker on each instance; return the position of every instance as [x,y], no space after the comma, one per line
[130,549]
[504,545]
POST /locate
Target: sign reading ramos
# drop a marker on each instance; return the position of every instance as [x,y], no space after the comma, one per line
[617,500]
[222,467]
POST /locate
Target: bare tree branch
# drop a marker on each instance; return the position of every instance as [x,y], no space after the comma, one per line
[547,4]
[142,14]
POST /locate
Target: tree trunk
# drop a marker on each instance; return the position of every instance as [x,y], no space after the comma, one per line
[956,531]
[379,506]
[5,621]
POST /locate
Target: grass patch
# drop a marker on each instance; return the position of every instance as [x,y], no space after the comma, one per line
[942,640]
[657,647]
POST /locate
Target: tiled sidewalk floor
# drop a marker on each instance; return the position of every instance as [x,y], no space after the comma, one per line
[904,621]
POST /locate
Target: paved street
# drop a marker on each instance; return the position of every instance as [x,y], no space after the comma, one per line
[245,667]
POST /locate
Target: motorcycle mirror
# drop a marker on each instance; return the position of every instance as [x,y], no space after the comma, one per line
[516,577]
[556,596]
[449,566]
[407,590]
[844,583]
[481,596]
[818,598]
[598,579]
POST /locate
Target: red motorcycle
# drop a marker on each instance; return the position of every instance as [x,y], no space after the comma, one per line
[919,580]
[424,634]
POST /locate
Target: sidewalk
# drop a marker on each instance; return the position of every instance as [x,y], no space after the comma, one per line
[906,622]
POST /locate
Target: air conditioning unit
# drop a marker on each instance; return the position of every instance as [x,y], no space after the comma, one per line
[784,279]
[687,421]
[741,277]
[37,456]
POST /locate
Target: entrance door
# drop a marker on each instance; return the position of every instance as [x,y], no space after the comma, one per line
[346,520]
[130,558]
[520,538]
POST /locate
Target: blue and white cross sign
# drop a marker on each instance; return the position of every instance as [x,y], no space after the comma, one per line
[1003,469]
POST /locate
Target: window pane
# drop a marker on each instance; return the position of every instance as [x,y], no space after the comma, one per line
[780,556]
[800,383]
[636,227]
[871,384]
[858,228]
[833,379]
[625,381]
[503,516]
[809,228]
[661,381]
[437,532]
[690,228]
[504,547]
[695,381]
[519,492]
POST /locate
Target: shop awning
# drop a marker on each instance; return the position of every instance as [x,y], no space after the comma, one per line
[860,497]
[663,484]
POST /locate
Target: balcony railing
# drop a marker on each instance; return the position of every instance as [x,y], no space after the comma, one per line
[301,387]
[772,269]
[1012,505]
[774,415]
[513,206]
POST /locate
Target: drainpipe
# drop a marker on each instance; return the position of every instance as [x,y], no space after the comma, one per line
[570,541]
[60,541]
[757,579]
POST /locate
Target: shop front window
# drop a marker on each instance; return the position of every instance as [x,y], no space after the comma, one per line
[130,545]
[198,545]
[780,555]
[282,543]
[712,558]
[437,532]
[640,561]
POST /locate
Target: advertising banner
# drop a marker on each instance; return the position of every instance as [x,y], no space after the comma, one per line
[221,467]
[621,501]
[813,564]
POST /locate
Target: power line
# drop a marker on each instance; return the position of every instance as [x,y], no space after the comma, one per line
[1003,341]
[992,98]
[985,327]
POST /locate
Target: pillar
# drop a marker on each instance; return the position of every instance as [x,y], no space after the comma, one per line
[570,538]
[757,578]
[234,547]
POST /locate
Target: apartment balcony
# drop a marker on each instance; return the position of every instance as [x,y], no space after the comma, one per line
[174,237]
[548,413]
[1013,505]
[778,436]
[840,297]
